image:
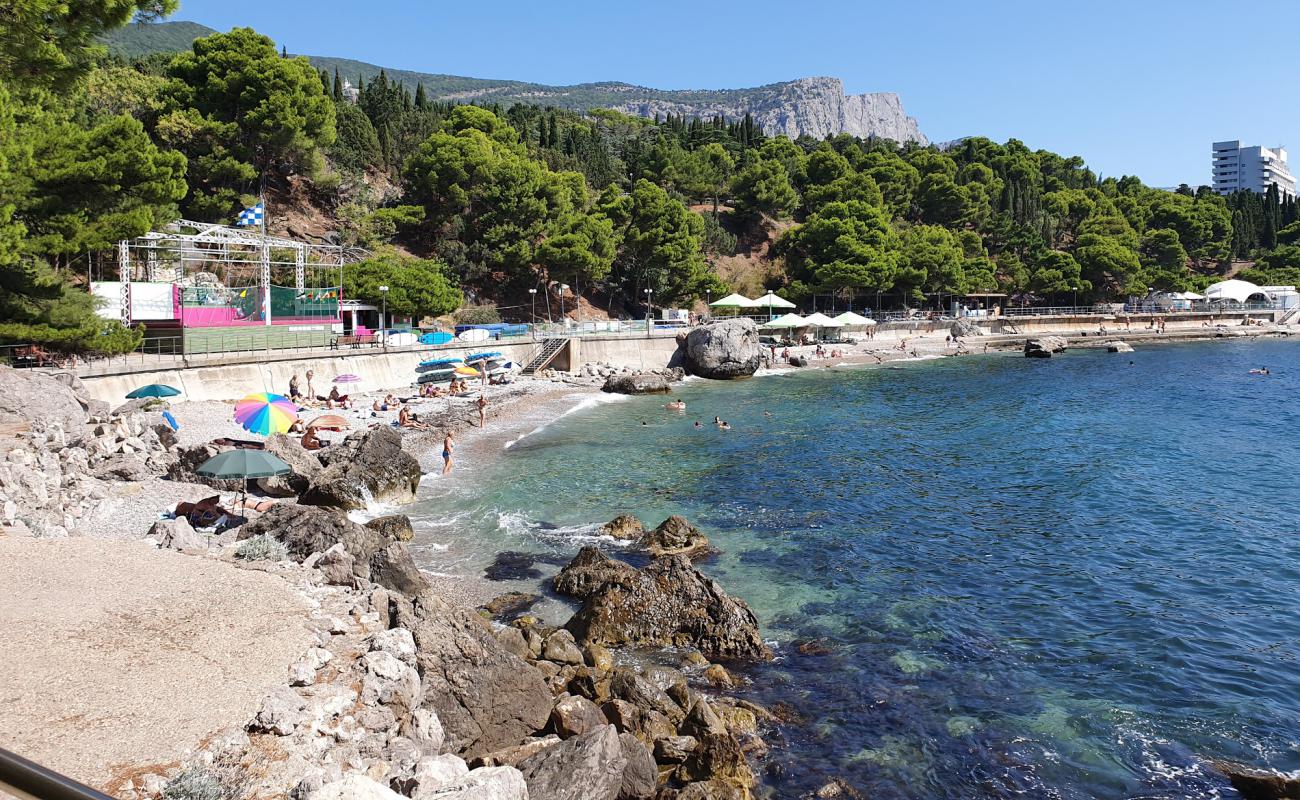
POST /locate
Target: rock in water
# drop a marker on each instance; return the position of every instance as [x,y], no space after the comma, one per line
[394,527]
[723,350]
[486,697]
[1260,784]
[644,383]
[589,571]
[624,526]
[586,767]
[676,535]
[368,465]
[668,604]
[1044,347]
[1118,347]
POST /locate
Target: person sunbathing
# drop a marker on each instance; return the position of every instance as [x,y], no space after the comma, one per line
[408,420]
[310,441]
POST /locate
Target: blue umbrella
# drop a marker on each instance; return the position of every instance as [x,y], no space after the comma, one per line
[154,390]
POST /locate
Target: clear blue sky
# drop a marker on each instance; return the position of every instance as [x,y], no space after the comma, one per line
[1136,87]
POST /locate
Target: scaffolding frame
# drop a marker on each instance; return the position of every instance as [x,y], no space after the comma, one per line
[210,247]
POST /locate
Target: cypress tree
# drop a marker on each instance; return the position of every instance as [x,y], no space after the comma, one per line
[283,52]
[421,100]
[338,86]
[554,133]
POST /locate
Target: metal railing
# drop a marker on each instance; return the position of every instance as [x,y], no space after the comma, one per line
[27,779]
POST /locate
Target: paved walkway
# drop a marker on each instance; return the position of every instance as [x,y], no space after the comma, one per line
[118,656]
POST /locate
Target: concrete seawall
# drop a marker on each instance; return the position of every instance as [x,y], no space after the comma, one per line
[376,368]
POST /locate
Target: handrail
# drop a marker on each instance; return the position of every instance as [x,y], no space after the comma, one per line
[30,780]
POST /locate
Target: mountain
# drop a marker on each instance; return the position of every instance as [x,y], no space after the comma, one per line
[815,107]
[145,38]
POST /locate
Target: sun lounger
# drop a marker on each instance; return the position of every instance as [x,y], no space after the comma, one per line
[238,444]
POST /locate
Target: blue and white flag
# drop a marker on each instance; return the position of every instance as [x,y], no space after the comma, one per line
[251,216]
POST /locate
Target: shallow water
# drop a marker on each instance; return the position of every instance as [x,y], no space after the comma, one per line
[1065,578]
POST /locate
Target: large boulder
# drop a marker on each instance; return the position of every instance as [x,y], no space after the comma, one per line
[624,526]
[1044,347]
[724,350]
[303,463]
[586,767]
[1119,347]
[965,327]
[486,697]
[668,604]
[643,383]
[394,527]
[368,466]
[589,571]
[188,460]
[33,402]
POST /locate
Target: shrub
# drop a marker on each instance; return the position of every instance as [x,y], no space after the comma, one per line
[199,783]
[478,315]
[262,548]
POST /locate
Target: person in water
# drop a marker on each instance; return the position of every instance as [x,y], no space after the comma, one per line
[448,444]
[676,405]
[697,424]
[1260,371]
[726,426]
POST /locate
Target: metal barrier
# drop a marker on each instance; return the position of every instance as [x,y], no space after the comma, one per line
[27,779]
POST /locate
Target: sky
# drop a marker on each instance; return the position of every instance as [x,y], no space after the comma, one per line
[1138,87]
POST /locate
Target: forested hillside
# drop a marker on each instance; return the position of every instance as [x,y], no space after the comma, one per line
[494,200]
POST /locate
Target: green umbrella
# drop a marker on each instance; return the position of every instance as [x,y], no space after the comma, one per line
[243,464]
[154,390]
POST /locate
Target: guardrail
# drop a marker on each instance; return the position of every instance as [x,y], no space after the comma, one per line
[27,779]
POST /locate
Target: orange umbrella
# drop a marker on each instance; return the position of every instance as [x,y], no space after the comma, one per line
[331,422]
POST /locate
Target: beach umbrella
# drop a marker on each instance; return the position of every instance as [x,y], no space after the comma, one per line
[153,390]
[785,322]
[733,301]
[243,464]
[850,320]
[771,301]
[349,378]
[328,421]
[820,320]
[265,413]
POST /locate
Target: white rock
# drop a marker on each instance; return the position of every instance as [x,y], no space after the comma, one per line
[396,641]
[425,729]
[354,787]
[435,772]
[484,783]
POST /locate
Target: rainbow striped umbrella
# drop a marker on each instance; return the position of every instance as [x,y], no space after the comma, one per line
[265,413]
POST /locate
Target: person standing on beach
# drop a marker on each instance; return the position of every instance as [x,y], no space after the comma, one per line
[294,391]
[311,390]
[448,444]
[482,409]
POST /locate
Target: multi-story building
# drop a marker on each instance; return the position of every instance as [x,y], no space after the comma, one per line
[1252,169]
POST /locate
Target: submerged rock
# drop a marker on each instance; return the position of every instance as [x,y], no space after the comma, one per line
[1044,347]
[669,604]
[724,350]
[368,465]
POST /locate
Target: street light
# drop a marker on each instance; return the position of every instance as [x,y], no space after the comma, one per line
[532,320]
[383,315]
[1074,298]
[649,295]
[708,298]
[564,287]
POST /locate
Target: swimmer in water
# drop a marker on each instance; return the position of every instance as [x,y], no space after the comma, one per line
[676,405]
[724,426]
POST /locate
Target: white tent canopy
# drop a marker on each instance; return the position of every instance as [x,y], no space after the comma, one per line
[850,320]
[733,301]
[1236,290]
[820,320]
[770,300]
[787,321]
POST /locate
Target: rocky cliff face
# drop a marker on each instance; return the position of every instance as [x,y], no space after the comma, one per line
[813,106]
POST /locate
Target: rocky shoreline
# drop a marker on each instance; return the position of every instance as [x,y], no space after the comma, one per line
[405,691]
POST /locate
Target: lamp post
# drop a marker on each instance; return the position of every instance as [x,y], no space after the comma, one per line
[649,295]
[708,298]
[564,287]
[1074,298]
[532,319]
[383,315]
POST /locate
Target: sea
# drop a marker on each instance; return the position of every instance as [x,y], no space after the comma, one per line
[985,576]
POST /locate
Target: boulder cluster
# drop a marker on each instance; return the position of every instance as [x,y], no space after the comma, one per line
[1044,347]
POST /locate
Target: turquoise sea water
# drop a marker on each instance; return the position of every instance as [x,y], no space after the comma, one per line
[1066,578]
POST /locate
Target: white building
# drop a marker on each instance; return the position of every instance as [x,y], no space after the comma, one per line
[1251,169]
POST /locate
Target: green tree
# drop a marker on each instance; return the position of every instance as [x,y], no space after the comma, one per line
[843,246]
[658,245]
[763,187]
[933,252]
[416,287]
[249,107]
[582,251]
[54,43]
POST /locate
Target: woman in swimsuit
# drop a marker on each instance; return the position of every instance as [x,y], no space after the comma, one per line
[448,444]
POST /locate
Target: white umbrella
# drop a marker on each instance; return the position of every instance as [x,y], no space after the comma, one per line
[785,322]
[770,300]
[733,301]
[850,320]
[820,320]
